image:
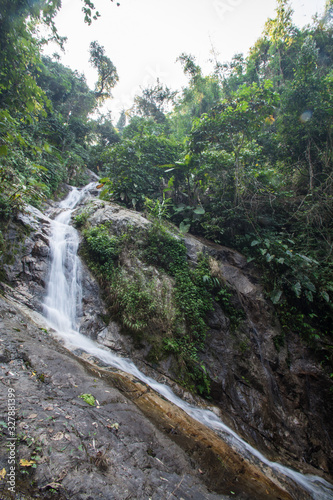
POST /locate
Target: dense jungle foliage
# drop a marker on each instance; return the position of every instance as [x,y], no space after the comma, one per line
[242,157]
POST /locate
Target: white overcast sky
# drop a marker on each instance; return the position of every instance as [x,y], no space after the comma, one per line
[143,38]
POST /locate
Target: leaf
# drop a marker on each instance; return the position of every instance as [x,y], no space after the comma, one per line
[310,286]
[275,296]
[178,209]
[40,167]
[171,182]
[297,288]
[3,150]
[170,165]
[309,295]
[88,398]
[325,296]
[270,119]
[3,474]
[47,148]
[30,106]
[199,211]
[255,243]
[307,259]
[26,463]
[184,228]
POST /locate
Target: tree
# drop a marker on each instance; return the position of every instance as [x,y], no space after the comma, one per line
[280,32]
[154,102]
[121,123]
[107,72]
[234,127]
[90,12]
[199,97]
[133,167]
[306,120]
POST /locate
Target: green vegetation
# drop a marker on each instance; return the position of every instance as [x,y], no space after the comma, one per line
[89,399]
[167,310]
[251,168]
[45,129]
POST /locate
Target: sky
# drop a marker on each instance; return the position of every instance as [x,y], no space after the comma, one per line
[143,38]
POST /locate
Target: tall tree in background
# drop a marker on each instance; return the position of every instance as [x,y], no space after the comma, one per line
[199,97]
[107,72]
[121,123]
[44,107]
[154,102]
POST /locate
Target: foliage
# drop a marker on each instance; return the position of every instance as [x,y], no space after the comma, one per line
[81,219]
[193,299]
[90,12]
[139,302]
[107,72]
[158,209]
[202,94]
[132,167]
[88,398]
[295,280]
[45,129]
[154,102]
[101,247]
[168,309]
[233,127]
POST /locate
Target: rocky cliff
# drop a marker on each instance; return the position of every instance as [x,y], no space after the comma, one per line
[268,387]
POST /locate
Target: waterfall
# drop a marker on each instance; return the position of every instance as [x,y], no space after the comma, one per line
[62,304]
[62,308]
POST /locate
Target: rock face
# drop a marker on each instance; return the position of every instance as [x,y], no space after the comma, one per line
[24,261]
[270,389]
[81,452]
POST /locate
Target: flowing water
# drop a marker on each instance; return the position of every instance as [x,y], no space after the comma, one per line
[62,309]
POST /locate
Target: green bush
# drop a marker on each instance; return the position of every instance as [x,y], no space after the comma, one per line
[102,248]
[192,295]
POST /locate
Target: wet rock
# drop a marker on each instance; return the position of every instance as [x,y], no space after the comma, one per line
[111,337]
[93,309]
[124,445]
[24,261]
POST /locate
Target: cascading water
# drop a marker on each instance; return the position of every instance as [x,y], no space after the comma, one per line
[62,309]
[63,301]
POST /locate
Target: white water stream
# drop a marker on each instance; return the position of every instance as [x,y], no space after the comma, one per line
[62,309]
